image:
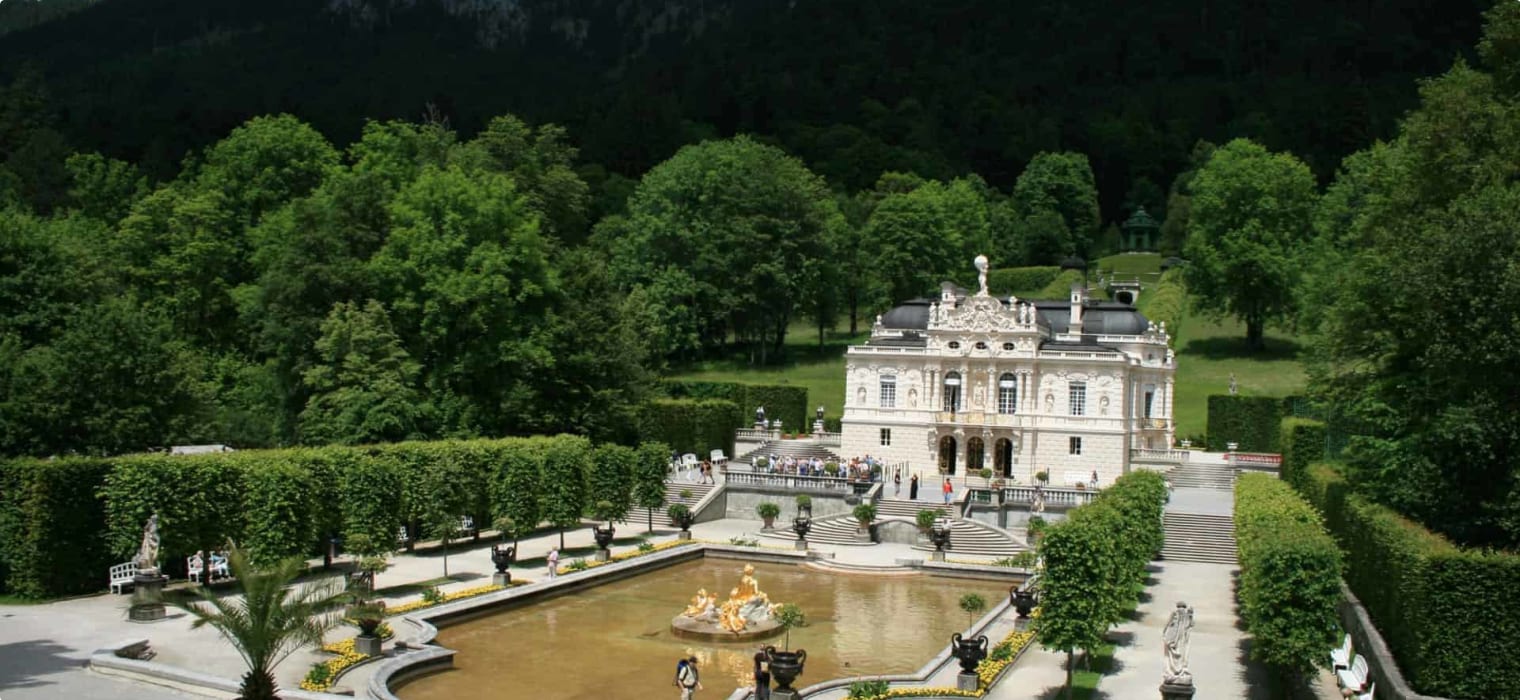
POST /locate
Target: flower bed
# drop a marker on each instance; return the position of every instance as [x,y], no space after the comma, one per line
[582,564]
[450,597]
[323,675]
[1003,655]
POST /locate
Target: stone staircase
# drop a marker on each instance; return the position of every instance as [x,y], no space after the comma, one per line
[801,449]
[1202,475]
[673,491]
[834,529]
[968,537]
[1199,537]
[904,508]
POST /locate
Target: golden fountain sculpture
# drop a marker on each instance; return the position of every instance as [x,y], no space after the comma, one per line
[748,609]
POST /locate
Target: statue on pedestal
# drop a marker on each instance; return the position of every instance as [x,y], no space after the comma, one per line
[1174,646]
[981,275]
[147,553]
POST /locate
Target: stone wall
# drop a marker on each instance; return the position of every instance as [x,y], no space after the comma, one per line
[1382,668]
[1105,452]
[741,502]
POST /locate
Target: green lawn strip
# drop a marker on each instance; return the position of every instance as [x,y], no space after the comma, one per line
[8,599]
[1147,265]
[1084,681]
[1209,350]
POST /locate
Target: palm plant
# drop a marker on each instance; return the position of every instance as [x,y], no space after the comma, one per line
[270,620]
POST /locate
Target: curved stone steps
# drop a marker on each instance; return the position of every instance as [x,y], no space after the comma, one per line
[974,538]
[833,529]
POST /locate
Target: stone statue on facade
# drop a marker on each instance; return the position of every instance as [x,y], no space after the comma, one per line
[1174,645]
[760,416]
[981,275]
[147,553]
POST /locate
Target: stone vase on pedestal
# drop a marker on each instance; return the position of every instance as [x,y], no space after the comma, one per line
[367,644]
[147,597]
[969,651]
[785,667]
[502,558]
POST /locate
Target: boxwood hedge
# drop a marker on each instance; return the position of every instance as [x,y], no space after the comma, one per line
[1252,421]
[787,403]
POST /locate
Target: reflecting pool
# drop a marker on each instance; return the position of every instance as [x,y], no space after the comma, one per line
[614,642]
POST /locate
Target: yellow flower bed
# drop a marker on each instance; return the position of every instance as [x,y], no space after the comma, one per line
[449,598]
[346,656]
[625,556]
[986,672]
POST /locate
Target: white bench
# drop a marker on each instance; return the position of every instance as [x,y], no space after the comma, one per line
[1369,695]
[718,458]
[1341,657]
[219,570]
[1354,679]
[121,575]
[689,463]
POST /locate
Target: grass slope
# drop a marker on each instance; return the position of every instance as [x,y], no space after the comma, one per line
[1210,349]
[820,369]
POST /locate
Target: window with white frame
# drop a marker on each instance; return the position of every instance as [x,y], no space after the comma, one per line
[1008,393]
[886,437]
[1078,393]
[1075,446]
[888,391]
[953,392]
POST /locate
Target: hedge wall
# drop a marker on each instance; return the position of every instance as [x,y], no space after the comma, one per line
[1451,616]
[1290,574]
[1166,302]
[1019,280]
[51,527]
[692,425]
[781,401]
[1252,421]
[1060,286]
[1302,442]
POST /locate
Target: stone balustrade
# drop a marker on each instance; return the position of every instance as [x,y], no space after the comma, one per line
[1054,496]
[756,434]
[789,482]
[1143,454]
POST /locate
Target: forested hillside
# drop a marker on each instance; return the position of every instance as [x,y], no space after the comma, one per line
[854,87]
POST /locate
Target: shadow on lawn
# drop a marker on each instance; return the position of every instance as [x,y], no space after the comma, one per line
[1234,348]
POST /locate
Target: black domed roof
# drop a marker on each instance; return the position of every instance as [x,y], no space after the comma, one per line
[912,315]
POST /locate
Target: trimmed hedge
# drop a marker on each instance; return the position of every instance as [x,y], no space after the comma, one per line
[1252,421]
[1302,442]
[1016,280]
[781,401]
[692,425]
[1290,574]
[64,522]
[1060,287]
[1166,302]
[1451,616]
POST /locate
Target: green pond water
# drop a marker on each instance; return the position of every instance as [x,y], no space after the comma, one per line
[614,642]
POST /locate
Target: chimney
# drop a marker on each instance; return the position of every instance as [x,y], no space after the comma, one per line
[1078,298]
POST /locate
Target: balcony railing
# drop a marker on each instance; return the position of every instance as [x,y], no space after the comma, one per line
[1054,496]
[790,482]
[1254,459]
[827,439]
[1152,424]
[1151,455]
[756,434]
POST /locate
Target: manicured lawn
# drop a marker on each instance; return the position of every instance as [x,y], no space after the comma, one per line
[821,370]
[1132,264]
[1209,350]
[1085,678]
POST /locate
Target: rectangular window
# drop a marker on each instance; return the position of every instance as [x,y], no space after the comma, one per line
[888,392]
[1075,446]
[1078,393]
[1008,395]
[886,437]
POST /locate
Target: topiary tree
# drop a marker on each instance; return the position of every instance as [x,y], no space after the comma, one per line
[768,512]
[611,480]
[651,459]
[865,513]
[564,481]
[1074,596]
[972,604]
[515,492]
[788,616]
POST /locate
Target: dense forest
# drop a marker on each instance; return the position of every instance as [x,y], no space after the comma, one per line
[277,223]
[853,87]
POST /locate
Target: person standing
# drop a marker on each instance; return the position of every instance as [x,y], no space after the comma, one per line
[553,562]
[897,482]
[688,679]
[762,677]
[1094,483]
[913,488]
[948,490]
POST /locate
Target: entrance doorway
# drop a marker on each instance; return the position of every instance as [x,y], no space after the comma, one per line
[1002,457]
[976,455]
[947,455]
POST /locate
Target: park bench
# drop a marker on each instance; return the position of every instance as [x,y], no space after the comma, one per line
[1354,678]
[1369,695]
[718,458]
[219,571]
[121,575]
[1340,657]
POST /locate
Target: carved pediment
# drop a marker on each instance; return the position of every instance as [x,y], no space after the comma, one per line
[979,314]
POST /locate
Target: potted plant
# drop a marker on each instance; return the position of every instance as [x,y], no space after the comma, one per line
[761,464]
[768,512]
[787,665]
[1035,528]
[972,604]
[864,514]
[682,517]
[925,519]
[831,468]
[685,494]
[1042,476]
[804,504]
[367,617]
[986,475]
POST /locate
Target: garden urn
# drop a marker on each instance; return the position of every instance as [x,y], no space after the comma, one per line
[1022,601]
[785,667]
[969,650]
[801,525]
[604,540]
[503,558]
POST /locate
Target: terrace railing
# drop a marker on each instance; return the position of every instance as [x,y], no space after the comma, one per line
[789,482]
[1143,454]
[1054,496]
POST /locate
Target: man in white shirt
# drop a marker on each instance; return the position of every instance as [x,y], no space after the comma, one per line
[688,679]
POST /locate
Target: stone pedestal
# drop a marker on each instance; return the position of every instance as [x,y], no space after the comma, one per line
[800,545]
[785,695]
[367,645]
[503,579]
[936,556]
[684,535]
[863,535]
[1176,691]
[603,555]
[966,681]
[147,598]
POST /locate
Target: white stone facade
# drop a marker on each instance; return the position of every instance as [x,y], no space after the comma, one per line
[972,381]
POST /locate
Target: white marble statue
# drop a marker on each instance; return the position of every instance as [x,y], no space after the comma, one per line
[147,553]
[1174,645]
[981,275]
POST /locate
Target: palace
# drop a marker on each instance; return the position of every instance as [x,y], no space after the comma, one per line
[973,381]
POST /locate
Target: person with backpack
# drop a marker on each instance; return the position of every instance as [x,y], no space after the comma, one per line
[687,678]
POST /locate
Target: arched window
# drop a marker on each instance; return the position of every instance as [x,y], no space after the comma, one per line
[1008,393]
[953,392]
[888,391]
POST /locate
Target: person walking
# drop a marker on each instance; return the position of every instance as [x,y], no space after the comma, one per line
[762,677]
[553,562]
[688,679]
[913,488]
[949,490]
[897,482]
